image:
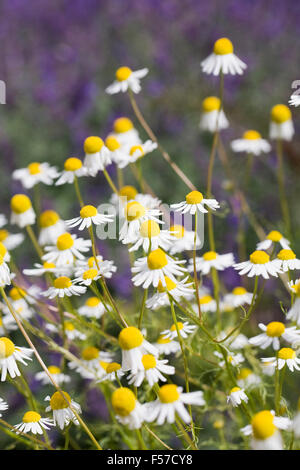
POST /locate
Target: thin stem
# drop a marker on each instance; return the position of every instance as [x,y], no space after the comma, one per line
[142,308]
[34,241]
[77,190]
[282,195]
[195,270]
[110,182]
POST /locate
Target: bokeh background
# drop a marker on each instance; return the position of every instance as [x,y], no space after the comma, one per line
[57,57]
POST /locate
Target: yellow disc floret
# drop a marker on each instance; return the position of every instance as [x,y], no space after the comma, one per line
[149,229]
[136,148]
[205,299]
[31,417]
[123,401]
[69,326]
[16,293]
[90,353]
[163,340]
[113,367]
[89,274]
[88,211]
[286,353]
[20,203]
[3,235]
[130,338]
[179,324]
[223,46]
[7,347]
[54,370]
[34,168]
[128,191]
[72,164]
[62,282]
[112,143]
[251,135]
[194,197]
[285,255]
[170,285]
[275,328]
[92,302]
[64,242]
[134,210]
[211,103]
[274,236]
[168,393]
[280,113]
[259,257]
[47,265]
[263,425]
[235,389]
[149,361]
[3,250]
[93,144]
[58,402]
[48,218]
[122,124]
[244,373]
[157,259]
[239,291]
[123,73]
[210,255]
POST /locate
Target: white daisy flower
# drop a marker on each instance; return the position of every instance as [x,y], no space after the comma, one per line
[134,215]
[127,79]
[281,125]
[93,308]
[237,396]
[223,60]
[156,267]
[247,379]
[72,333]
[207,303]
[251,142]
[89,215]
[294,312]
[166,346]
[272,333]
[67,249]
[210,260]
[51,227]
[33,422]
[153,371]
[9,355]
[36,173]
[194,201]
[73,168]
[273,237]
[7,324]
[170,402]
[259,264]
[3,405]
[56,373]
[5,277]
[129,411]
[288,260]
[235,359]
[183,239]
[238,342]
[268,367]
[239,296]
[97,155]
[147,200]
[285,356]
[118,152]
[64,286]
[213,117]
[150,235]
[104,268]
[113,371]
[22,213]
[125,133]
[134,347]
[135,153]
[294,100]
[177,289]
[264,430]
[40,269]
[60,403]
[93,363]
[184,328]
[11,240]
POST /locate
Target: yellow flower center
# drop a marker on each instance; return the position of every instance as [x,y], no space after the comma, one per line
[211,103]
[285,255]
[123,401]
[210,255]
[194,197]
[47,265]
[7,347]
[3,235]
[170,285]
[223,46]
[263,425]
[54,370]
[134,210]
[137,148]
[92,302]
[149,361]
[31,417]
[280,113]
[218,424]
[64,242]
[235,389]
[69,326]
[90,353]
[274,236]
[157,259]
[20,203]
[16,293]
[3,250]
[259,257]
[275,328]
[244,373]
[62,282]
[123,73]
[72,164]
[113,367]
[239,291]
[177,231]
[48,218]
[296,288]
[168,393]
[112,143]
[92,262]
[180,326]
[104,365]
[58,402]
[206,299]
[128,191]
[286,353]
[93,144]
[122,124]
[90,274]
[34,168]
[162,340]
[149,229]
[130,338]
[251,135]
[88,211]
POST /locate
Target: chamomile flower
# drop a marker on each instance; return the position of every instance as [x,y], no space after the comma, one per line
[177,289]
[5,276]
[93,308]
[185,329]
[294,100]
[213,117]
[56,373]
[207,303]
[272,333]
[223,60]
[134,347]
[237,396]
[251,142]
[127,408]
[183,239]
[247,379]
[281,125]
[11,240]
[104,268]
[239,296]
[118,152]
[150,235]
[125,133]
[89,215]
[51,227]
[126,79]
[272,238]
[235,359]
[194,201]
[259,264]
[113,371]
[285,356]
[153,371]
[66,250]
[3,406]
[294,312]
[210,260]
[72,333]
[88,277]
[9,355]
[36,173]
[60,405]
[238,342]
[288,260]
[22,213]
[264,430]
[7,323]
[92,364]
[268,367]
[171,401]
[33,422]
[136,152]
[97,155]
[135,214]
[21,302]
[73,168]
[64,286]
[40,269]
[155,267]
[166,346]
